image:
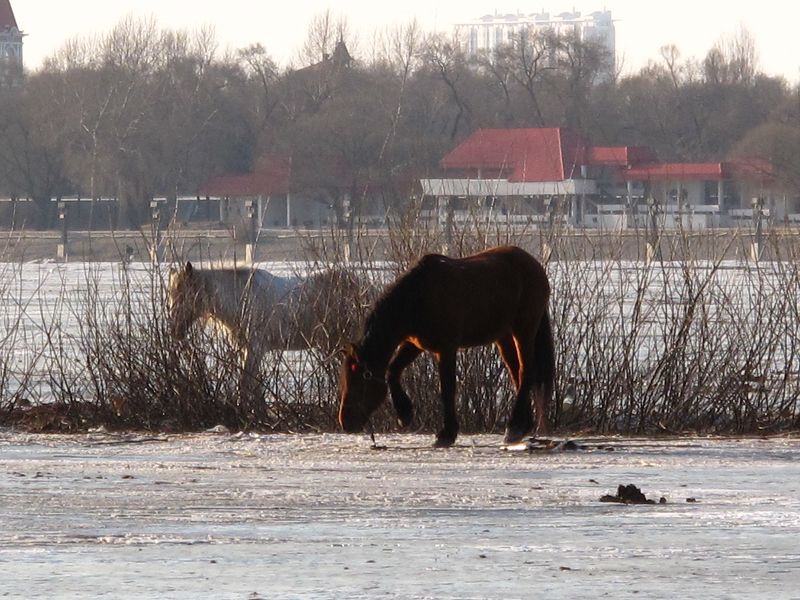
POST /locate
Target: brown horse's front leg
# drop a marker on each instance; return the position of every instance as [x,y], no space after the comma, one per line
[447,378]
[402,403]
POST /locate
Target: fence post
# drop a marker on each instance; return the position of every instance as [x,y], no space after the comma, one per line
[757,245]
[350,225]
[249,248]
[155,216]
[62,251]
[550,244]
[653,241]
[445,216]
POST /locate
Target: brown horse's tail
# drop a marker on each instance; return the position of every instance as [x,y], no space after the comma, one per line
[545,361]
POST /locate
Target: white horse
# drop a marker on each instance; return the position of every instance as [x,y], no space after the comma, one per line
[260,311]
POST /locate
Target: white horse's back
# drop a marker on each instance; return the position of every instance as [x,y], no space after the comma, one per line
[264,311]
[275,285]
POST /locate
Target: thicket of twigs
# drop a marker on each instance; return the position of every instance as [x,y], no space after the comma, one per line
[642,347]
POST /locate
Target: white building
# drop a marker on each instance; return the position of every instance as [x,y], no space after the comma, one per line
[492,31]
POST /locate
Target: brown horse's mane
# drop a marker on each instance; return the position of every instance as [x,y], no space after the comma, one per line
[392,305]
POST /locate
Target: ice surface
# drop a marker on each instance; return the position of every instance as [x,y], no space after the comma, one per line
[325,516]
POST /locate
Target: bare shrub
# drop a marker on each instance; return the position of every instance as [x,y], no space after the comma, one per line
[705,340]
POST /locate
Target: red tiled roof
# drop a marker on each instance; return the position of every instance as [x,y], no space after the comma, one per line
[556,154]
[740,169]
[675,171]
[270,177]
[552,154]
[752,169]
[620,156]
[7,20]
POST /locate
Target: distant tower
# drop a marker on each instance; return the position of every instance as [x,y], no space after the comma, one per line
[10,46]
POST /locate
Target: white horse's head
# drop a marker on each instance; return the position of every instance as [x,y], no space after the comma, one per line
[185,302]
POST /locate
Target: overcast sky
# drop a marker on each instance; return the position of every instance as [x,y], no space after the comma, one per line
[642,26]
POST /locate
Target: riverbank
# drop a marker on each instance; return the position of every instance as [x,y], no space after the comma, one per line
[217,244]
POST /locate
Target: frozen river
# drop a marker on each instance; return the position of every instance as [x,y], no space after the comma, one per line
[326,516]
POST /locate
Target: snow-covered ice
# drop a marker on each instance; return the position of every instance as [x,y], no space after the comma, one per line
[217,515]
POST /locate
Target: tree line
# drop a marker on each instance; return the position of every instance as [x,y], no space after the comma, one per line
[143,111]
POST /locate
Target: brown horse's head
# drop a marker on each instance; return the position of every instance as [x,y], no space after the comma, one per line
[362,391]
[183,296]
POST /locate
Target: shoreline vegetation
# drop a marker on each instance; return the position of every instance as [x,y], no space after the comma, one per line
[703,341]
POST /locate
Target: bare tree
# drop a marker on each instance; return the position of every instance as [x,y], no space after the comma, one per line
[262,75]
[582,64]
[448,64]
[528,58]
[324,32]
[34,147]
[145,112]
[732,60]
[778,144]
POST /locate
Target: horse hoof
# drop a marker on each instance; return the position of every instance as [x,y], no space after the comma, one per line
[514,436]
[404,421]
[444,441]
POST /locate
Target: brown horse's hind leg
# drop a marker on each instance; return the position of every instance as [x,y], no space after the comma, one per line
[508,352]
[402,403]
[540,402]
[537,371]
[544,373]
[447,378]
[521,422]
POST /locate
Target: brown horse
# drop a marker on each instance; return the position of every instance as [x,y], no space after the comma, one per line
[442,304]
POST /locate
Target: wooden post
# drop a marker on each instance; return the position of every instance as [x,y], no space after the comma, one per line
[249,248]
[350,225]
[757,246]
[446,216]
[549,246]
[653,241]
[631,220]
[62,251]
[155,226]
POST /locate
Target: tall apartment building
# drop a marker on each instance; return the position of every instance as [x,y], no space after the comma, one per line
[10,46]
[492,31]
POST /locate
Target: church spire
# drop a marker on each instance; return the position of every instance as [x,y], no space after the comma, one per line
[7,20]
[11,69]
